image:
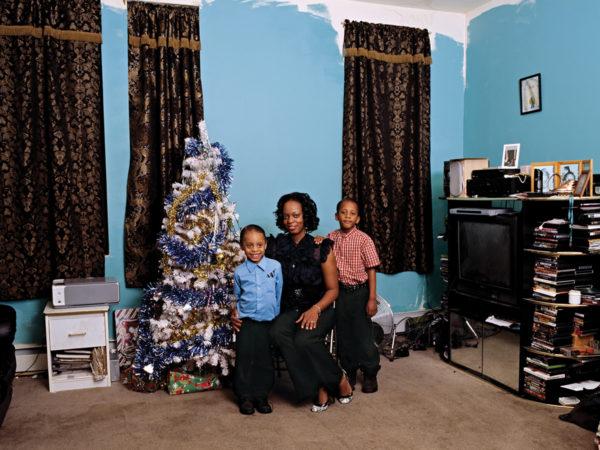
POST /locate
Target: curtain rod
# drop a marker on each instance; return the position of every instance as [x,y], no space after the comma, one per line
[166,2]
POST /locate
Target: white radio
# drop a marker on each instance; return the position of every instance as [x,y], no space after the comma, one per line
[84,291]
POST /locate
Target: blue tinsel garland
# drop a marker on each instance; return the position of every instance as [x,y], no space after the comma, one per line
[190,257]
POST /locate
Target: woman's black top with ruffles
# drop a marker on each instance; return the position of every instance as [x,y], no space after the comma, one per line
[303,283]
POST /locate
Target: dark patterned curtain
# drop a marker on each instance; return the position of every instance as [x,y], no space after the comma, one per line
[386,140]
[165,107]
[52,175]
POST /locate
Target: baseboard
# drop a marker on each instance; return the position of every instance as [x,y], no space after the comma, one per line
[399,319]
[31,358]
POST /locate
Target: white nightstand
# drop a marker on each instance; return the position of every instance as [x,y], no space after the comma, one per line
[76,328]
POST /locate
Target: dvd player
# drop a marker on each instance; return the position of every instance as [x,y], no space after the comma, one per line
[481,211]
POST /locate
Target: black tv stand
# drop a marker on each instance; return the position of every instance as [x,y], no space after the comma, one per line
[502,355]
[480,347]
[487,350]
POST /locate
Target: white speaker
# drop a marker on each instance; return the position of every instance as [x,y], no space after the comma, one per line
[460,171]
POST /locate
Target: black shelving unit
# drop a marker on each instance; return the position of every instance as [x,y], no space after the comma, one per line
[470,338]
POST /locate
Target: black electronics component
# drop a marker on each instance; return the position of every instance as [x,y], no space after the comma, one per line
[473,239]
[596,184]
[497,182]
[447,178]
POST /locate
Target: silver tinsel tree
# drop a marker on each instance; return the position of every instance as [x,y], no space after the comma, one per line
[185,317]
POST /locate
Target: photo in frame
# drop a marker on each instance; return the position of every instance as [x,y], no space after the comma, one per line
[555,173]
[530,90]
[569,170]
[547,169]
[587,165]
[510,156]
[582,184]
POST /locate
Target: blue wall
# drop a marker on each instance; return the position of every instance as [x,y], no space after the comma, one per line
[273,95]
[555,38]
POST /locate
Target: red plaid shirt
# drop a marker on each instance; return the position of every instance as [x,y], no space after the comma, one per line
[355,253]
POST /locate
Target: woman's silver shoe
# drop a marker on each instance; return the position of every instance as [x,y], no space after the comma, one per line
[320,408]
[344,400]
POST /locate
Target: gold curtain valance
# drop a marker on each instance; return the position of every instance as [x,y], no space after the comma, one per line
[372,54]
[138,41]
[38,32]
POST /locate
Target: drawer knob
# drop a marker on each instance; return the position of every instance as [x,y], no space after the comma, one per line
[79,333]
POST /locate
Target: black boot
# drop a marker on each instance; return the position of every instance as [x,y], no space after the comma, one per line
[262,406]
[369,384]
[246,406]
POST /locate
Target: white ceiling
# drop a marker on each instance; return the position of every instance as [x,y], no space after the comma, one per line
[457,6]
[454,6]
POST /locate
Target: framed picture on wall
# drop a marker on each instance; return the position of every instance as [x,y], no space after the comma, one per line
[530,89]
[510,156]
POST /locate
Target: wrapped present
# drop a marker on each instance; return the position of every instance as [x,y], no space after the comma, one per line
[138,384]
[184,383]
[126,332]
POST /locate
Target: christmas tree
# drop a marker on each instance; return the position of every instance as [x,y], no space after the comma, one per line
[185,317]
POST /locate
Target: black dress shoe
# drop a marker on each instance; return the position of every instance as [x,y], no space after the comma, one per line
[262,406]
[370,384]
[246,406]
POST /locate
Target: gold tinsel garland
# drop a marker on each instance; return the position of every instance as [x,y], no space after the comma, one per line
[189,328]
[191,189]
[200,273]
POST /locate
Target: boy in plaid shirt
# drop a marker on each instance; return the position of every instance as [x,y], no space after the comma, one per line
[357,259]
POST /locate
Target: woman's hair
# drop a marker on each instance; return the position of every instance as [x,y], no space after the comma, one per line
[249,228]
[309,210]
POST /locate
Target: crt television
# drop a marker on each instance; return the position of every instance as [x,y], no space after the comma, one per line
[484,247]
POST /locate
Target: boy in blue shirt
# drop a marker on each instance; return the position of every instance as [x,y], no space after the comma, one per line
[258,284]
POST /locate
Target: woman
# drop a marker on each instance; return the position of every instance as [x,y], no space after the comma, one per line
[309,288]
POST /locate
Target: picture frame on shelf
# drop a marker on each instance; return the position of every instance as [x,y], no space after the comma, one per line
[569,170]
[582,184]
[547,169]
[510,156]
[555,173]
[587,165]
[530,92]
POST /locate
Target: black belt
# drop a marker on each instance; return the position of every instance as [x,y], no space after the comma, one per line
[353,287]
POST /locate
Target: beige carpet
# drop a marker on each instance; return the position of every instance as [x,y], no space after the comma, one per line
[423,403]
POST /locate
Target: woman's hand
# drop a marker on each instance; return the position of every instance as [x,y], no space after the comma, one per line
[236,322]
[308,319]
[319,239]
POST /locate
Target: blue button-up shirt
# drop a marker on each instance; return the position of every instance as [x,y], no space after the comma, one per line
[257,288]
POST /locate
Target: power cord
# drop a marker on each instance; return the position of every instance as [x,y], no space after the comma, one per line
[522,176]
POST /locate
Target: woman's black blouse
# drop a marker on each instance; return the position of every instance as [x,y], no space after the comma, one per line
[303,283]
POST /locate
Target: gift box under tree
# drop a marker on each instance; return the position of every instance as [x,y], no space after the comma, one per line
[184,383]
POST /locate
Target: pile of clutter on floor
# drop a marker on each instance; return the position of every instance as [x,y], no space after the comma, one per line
[419,333]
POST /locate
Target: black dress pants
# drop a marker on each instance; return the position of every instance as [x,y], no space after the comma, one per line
[354,332]
[254,373]
[306,355]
